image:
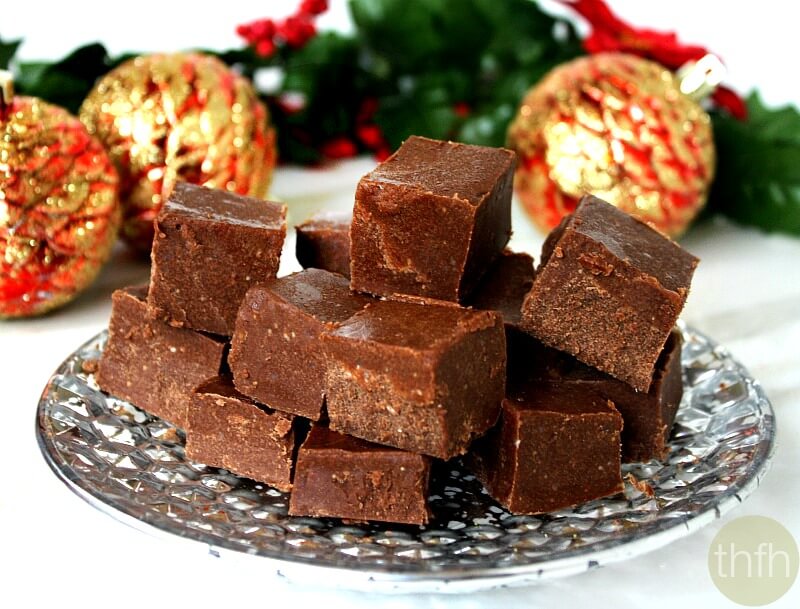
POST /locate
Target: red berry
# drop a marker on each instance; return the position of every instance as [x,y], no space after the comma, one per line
[339,148]
[296,31]
[263,28]
[265,48]
[382,154]
[371,136]
[313,7]
[462,109]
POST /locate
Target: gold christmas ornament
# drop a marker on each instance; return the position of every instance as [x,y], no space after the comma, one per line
[619,127]
[59,211]
[179,117]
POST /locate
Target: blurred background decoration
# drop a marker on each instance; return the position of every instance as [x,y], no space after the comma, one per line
[447,69]
[59,211]
[175,117]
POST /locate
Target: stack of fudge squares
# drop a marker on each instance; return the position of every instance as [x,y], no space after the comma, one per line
[412,335]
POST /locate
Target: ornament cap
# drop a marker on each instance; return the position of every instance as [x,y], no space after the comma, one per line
[699,79]
[6,88]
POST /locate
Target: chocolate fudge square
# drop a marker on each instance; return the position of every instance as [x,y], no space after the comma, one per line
[647,416]
[323,242]
[608,291]
[151,364]
[424,378]
[229,430]
[430,220]
[343,477]
[554,446]
[210,247]
[275,352]
[504,288]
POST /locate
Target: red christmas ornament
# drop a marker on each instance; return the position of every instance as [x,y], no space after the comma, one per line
[59,212]
[619,127]
[188,117]
[609,33]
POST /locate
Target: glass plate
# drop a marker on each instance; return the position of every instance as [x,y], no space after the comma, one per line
[132,466]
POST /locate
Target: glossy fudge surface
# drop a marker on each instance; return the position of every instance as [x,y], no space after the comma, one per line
[505,286]
[229,430]
[323,242]
[608,291]
[275,352]
[344,477]
[648,416]
[424,378]
[152,364]
[210,247]
[554,446]
[430,220]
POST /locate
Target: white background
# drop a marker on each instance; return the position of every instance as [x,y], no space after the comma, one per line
[57,551]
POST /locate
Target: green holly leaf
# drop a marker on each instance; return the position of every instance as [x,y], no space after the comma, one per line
[65,82]
[7,52]
[409,35]
[521,34]
[426,112]
[488,126]
[758,167]
[778,124]
[426,56]
[321,65]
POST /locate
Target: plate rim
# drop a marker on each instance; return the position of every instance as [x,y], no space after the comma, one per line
[464,578]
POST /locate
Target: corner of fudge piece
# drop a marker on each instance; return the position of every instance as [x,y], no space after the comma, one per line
[229,430]
[151,364]
[340,476]
[608,291]
[667,387]
[648,416]
[552,448]
[505,286]
[424,378]
[431,219]
[323,242]
[210,246]
[275,354]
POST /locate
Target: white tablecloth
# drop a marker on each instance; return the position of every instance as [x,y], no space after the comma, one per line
[58,551]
